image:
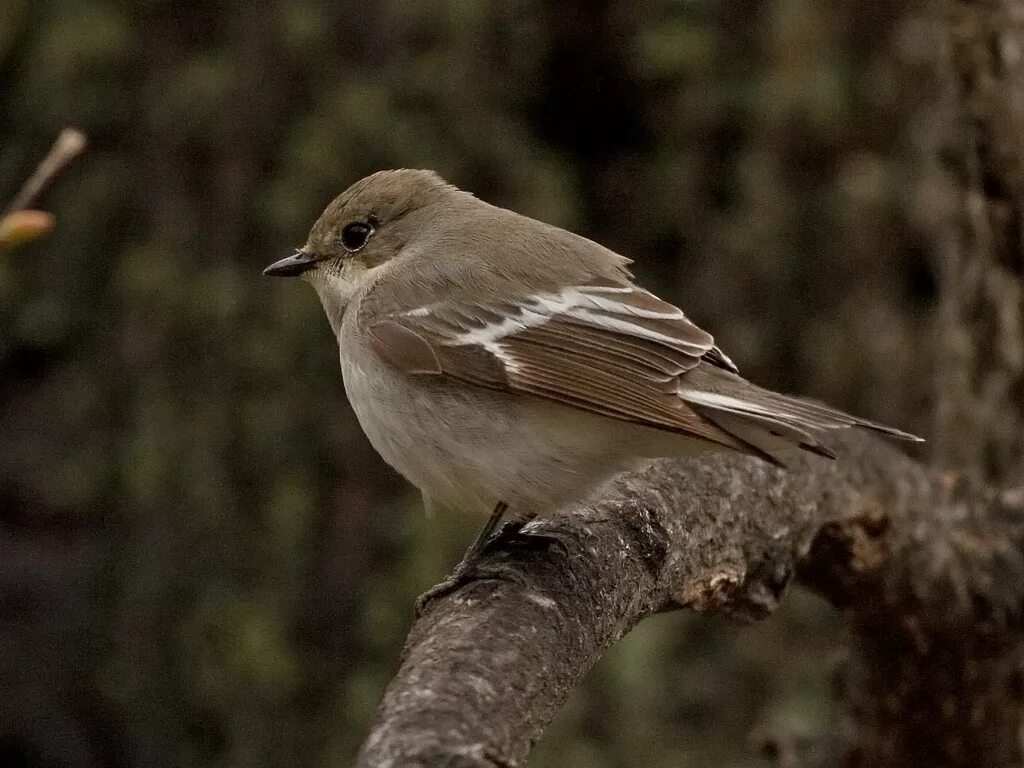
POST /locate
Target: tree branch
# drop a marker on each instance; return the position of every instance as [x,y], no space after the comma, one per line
[923,561]
[70,143]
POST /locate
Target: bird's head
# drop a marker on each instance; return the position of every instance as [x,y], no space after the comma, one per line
[362,229]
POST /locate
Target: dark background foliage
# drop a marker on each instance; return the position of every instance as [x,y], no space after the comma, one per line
[201,560]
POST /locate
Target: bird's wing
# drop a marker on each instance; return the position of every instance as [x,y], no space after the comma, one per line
[610,348]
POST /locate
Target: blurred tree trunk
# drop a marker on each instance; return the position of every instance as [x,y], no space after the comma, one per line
[947,698]
[980,415]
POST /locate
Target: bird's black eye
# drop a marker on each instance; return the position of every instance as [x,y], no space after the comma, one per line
[355,235]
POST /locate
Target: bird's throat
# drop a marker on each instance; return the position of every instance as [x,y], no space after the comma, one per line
[337,287]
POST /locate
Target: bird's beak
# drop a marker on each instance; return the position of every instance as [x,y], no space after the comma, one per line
[293,265]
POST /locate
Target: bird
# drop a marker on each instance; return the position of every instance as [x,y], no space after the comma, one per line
[508,367]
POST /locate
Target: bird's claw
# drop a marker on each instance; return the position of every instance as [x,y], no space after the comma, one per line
[467,570]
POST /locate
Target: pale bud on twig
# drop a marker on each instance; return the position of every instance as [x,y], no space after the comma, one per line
[18,225]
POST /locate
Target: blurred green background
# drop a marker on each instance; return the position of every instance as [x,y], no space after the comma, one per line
[202,562]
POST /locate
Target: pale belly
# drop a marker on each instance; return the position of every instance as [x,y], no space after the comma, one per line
[469,447]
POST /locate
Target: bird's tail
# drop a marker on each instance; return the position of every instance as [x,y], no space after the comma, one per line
[768,422]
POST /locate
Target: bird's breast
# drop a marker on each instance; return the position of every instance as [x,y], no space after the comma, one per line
[470,447]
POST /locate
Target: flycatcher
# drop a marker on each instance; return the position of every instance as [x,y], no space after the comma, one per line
[500,362]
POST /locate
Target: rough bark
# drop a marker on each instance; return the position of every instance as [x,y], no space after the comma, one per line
[928,568]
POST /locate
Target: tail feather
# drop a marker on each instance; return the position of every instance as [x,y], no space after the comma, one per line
[767,420]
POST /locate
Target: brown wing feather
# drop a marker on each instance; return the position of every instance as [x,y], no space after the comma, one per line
[617,391]
[396,342]
[657,360]
[612,350]
[568,359]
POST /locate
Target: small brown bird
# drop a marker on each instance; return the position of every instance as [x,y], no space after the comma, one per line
[497,361]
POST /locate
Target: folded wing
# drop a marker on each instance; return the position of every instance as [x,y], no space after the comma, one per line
[612,349]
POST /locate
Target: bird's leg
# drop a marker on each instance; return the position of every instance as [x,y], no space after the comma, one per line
[484,540]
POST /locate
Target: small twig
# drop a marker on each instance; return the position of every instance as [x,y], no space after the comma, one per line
[67,147]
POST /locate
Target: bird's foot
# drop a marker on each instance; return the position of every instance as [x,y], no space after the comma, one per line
[511,533]
[457,578]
